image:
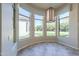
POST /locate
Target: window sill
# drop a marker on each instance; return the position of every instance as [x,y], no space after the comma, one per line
[23,37]
[63,36]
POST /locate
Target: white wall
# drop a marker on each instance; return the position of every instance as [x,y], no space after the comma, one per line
[74,26]
[8,47]
[0,29]
[62,9]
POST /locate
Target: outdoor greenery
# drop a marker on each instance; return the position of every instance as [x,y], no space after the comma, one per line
[50,33]
[51,26]
[51,29]
[64,26]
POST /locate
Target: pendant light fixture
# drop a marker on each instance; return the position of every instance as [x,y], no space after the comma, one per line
[50,14]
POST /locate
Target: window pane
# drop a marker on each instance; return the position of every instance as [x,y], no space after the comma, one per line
[51,29]
[23,29]
[23,23]
[38,25]
[64,27]
[64,15]
[24,12]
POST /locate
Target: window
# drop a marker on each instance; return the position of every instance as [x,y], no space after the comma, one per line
[51,28]
[23,23]
[38,25]
[64,24]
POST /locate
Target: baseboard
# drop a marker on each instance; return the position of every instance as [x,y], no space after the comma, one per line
[68,46]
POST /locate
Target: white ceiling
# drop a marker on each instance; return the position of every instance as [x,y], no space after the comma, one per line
[46,5]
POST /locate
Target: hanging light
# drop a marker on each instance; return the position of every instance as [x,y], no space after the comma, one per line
[50,14]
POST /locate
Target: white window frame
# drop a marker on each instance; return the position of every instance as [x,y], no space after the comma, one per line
[55,29]
[59,25]
[41,25]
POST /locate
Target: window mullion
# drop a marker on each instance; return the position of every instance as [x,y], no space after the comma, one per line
[31,25]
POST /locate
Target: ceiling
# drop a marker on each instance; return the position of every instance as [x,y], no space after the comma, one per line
[46,5]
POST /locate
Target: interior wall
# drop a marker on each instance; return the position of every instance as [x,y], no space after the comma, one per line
[0,29]
[78,25]
[62,9]
[8,46]
[17,26]
[74,26]
[72,40]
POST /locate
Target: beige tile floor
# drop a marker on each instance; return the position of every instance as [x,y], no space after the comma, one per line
[48,49]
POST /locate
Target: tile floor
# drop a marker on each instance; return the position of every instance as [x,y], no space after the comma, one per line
[48,49]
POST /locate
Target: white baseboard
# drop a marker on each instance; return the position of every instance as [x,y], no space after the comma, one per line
[68,45]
